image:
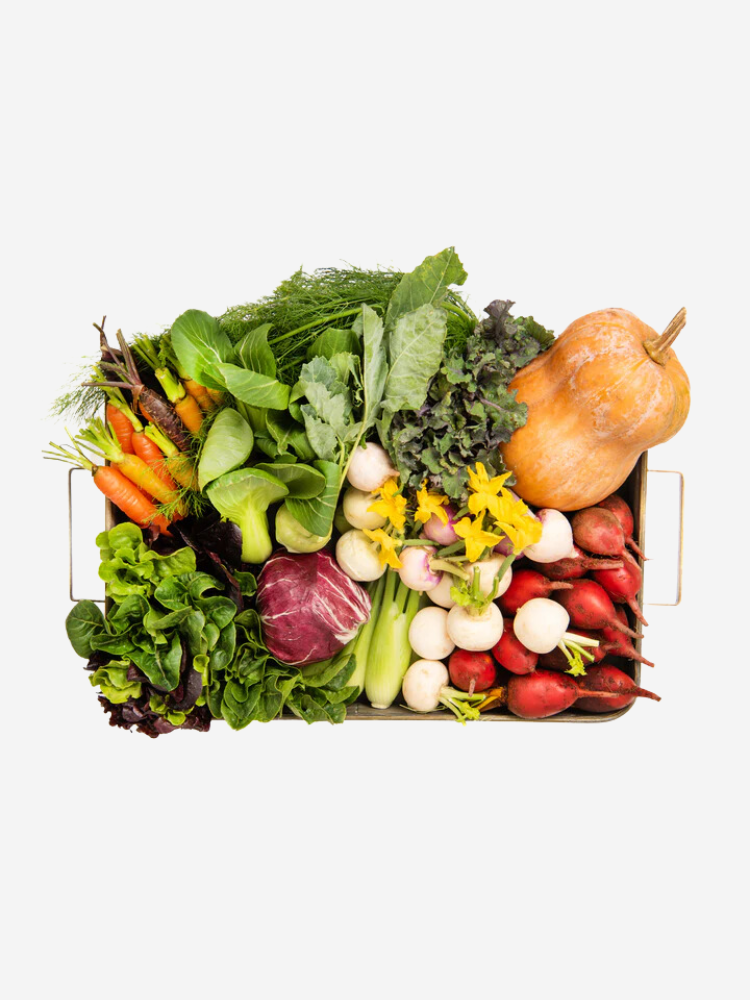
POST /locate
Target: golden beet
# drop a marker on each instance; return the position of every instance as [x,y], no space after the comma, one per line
[608,389]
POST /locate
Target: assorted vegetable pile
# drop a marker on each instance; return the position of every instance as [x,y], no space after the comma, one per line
[317,504]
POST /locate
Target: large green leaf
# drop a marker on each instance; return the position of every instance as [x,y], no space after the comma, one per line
[84,621]
[415,352]
[253,388]
[303,481]
[254,353]
[200,346]
[427,284]
[370,327]
[316,515]
[227,446]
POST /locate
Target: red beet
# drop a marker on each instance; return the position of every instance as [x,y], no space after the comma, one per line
[575,565]
[616,643]
[525,585]
[589,606]
[622,585]
[512,654]
[624,515]
[471,671]
[597,530]
[609,678]
[545,693]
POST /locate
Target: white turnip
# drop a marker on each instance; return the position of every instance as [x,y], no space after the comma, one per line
[415,569]
[441,594]
[425,688]
[355,504]
[475,629]
[370,467]
[557,538]
[358,556]
[428,634]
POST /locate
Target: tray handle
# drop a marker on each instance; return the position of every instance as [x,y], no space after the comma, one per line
[673,604]
[96,600]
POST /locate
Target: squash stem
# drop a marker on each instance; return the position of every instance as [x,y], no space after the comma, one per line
[657,348]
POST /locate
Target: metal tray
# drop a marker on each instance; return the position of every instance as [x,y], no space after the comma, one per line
[634,492]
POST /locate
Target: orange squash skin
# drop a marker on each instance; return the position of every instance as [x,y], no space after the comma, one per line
[596,401]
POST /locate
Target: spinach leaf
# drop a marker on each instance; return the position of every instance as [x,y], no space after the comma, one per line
[84,621]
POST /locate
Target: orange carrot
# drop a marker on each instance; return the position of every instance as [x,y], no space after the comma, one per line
[126,496]
[189,412]
[119,490]
[145,448]
[122,427]
[199,393]
[105,443]
[186,407]
[179,465]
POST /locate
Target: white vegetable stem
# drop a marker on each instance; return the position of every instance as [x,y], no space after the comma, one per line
[390,652]
[425,689]
[370,467]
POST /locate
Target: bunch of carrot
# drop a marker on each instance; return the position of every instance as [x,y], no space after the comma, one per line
[138,464]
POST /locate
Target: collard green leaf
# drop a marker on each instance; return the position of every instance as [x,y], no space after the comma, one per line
[427,284]
[201,346]
[227,446]
[415,352]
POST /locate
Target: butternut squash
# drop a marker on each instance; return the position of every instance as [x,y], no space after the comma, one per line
[608,389]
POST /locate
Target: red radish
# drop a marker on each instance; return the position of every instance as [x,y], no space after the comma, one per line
[574,566]
[622,585]
[525,584]
[471,671]
[589,606]
[609,678]
[597,530]
[624,515]
[513,655]
[556,659]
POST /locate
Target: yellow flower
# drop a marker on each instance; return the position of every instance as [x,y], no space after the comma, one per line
[391,504]
[514,520]
[429,504]
[387,555]
[486,490]
[476,538]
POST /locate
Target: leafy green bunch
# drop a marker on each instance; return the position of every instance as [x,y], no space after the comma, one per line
[469,410]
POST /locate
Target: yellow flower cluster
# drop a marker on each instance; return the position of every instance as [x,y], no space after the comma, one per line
[512,517]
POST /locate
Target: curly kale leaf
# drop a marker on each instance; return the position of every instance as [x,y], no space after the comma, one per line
[469,410]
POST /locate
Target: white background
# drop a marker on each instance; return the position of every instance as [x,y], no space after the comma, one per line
[158,157]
